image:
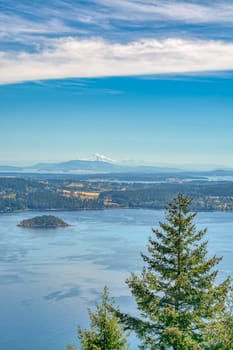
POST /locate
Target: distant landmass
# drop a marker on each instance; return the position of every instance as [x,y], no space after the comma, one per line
[43,221]
[9,168]
[102,166]
[78,166]
[64,192]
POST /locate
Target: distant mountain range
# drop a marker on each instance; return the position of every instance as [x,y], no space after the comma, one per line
[85,166]
[10,168]
[100,165]
[78,166]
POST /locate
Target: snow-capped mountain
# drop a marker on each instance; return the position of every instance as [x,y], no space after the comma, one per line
[100,163]
[97,163]
[102,158]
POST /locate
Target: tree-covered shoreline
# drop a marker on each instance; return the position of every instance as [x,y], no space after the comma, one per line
[19,194]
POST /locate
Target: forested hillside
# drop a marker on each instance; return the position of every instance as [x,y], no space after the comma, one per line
[69,194]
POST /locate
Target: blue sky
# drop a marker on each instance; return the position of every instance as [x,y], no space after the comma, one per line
[140,80]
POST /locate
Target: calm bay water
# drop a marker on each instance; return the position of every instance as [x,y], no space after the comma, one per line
[48,278]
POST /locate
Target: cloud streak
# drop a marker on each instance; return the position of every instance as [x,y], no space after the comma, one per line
[69,39]
[95,57]
[93,11]
[61,17]
[191,12]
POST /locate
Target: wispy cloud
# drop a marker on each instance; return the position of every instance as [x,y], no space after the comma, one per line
[70,57]
[93,10]
[68,16]
[191,12]
[14,28]
[16,24]
[66,38]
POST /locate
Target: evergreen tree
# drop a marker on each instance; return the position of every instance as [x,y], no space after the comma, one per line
[106,333]
[175,293]
[218,333]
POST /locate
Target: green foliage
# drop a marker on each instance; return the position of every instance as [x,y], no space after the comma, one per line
[218,333]
[46,193]
[105,333]
[175,293]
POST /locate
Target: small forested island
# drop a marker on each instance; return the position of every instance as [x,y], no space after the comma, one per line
[43,221]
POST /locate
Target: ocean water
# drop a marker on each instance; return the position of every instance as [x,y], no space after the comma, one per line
[49,277]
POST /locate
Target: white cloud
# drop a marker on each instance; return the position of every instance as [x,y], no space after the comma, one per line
[219,11]
[12,24]
[70,57]
[60,16]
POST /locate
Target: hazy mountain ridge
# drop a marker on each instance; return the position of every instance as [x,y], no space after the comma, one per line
[78,165]
[102,166]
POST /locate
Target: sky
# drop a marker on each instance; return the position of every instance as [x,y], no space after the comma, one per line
[142,81]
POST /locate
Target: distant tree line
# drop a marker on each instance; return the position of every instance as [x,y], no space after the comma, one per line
[20,194]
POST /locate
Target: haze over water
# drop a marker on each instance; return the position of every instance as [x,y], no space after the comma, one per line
[49,277]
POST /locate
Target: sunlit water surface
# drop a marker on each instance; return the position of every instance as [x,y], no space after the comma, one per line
[49,277]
